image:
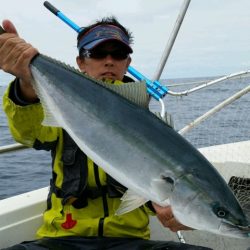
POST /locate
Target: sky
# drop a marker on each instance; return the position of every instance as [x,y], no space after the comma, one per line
[214,38]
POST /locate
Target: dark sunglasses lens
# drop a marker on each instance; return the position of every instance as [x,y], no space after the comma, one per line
[116,54]
[97,54]
[119,55]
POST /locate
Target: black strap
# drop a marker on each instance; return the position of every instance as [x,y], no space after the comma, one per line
[75,170]
[75,174]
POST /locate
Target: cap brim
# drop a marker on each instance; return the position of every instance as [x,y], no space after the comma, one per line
[95,43]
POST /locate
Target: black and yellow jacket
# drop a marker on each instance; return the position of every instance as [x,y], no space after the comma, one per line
[83,198]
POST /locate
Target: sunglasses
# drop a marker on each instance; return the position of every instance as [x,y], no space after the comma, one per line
[117,54]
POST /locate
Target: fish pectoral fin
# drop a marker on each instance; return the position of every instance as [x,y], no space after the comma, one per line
[162,187]
[49,119]
[130,201]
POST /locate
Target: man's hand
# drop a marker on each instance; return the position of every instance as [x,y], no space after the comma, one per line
[166,217]
[15,57]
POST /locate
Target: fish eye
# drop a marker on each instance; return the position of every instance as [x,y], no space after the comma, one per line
[220,212]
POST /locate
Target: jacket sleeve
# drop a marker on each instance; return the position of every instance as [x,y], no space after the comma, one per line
[25,122]
[149,208]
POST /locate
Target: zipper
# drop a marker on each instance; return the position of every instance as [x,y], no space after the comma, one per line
[104,201]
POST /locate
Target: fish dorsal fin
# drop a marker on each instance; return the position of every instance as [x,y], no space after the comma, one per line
[49,119]
[135,92]
[130,201]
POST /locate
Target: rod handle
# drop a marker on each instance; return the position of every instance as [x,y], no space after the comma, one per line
[1,30]
[51,8]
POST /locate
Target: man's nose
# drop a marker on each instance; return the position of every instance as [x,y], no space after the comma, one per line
[109,59]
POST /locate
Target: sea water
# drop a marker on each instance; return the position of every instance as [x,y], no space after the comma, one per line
[28,169]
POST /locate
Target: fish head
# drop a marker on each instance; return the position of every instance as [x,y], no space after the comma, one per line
[200,205]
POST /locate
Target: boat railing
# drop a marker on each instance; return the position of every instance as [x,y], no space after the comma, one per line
[205,84]
[11,147]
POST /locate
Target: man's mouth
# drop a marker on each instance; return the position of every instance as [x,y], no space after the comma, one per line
[108,74]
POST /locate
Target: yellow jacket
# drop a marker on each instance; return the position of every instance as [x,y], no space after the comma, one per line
[62,218]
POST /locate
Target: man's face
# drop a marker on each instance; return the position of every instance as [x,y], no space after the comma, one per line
[108,60]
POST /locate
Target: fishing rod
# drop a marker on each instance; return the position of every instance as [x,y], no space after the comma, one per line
[154,88]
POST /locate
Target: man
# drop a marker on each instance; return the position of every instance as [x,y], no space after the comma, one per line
[82,199]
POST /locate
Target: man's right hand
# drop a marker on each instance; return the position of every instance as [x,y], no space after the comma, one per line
[15,57]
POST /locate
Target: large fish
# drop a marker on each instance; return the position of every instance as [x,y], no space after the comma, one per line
[137,149]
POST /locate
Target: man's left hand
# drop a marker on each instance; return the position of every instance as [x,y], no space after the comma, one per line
[166,217]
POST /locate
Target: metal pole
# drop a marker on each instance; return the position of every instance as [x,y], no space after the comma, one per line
[163,61]
[11,147]
[172,39]
[236,75]
[214,110]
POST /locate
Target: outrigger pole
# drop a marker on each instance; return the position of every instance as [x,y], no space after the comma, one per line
[171,40]
[165,56]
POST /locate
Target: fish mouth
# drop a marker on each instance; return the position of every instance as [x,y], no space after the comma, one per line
[233,230]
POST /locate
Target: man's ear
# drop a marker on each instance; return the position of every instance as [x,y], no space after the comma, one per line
[128,63]
[80,63]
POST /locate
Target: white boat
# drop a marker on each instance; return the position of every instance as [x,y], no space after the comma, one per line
[21,215]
